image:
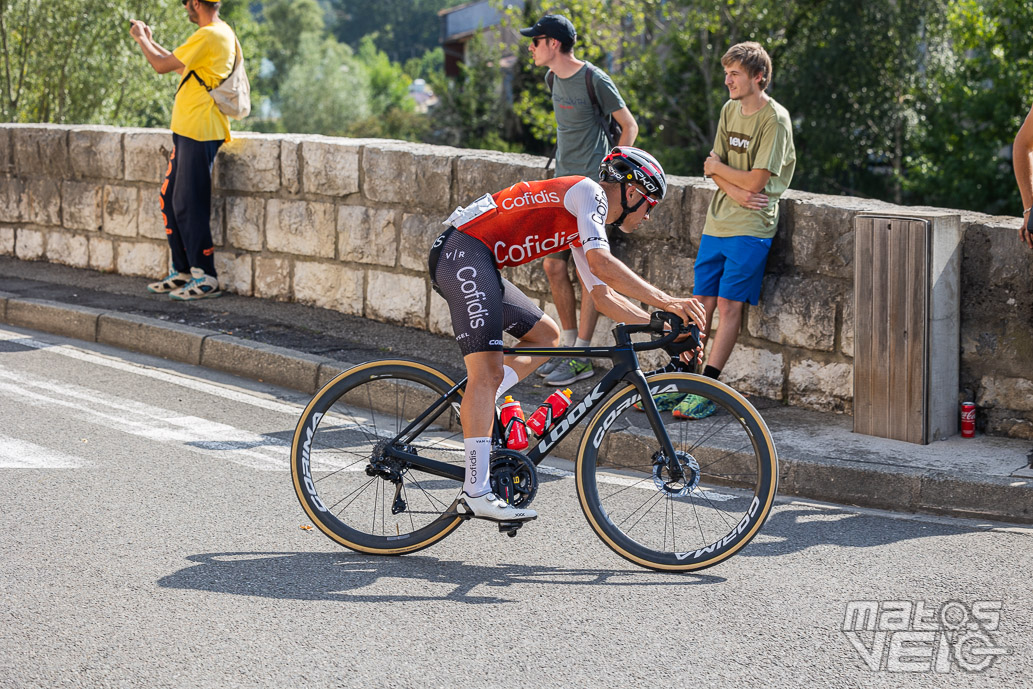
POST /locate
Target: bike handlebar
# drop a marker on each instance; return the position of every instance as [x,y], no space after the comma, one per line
[661,322]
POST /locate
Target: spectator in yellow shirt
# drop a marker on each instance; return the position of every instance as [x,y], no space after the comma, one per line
[198,129]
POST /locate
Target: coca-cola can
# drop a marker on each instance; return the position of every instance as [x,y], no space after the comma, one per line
[968,420]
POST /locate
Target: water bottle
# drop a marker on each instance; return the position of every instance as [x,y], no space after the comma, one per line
[549,411]
[513,429]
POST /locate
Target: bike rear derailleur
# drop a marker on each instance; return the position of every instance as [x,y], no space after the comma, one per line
[390,469]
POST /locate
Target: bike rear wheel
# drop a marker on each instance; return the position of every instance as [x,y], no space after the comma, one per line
[673,523]
[355,493]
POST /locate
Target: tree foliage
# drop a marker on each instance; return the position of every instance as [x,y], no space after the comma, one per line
[914,101]
[473,108]
[403,29]
[74,62]
[980,84]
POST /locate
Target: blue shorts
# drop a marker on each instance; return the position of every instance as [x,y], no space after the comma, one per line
[731,267]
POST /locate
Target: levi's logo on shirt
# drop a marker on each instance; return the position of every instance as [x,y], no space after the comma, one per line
[739,143]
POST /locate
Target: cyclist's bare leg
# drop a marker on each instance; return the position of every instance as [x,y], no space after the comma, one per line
[545,333]
[477,413]
[484,375]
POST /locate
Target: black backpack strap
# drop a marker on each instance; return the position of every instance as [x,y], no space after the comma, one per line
[604,117]
[550,79]
[592,95]
[199,81]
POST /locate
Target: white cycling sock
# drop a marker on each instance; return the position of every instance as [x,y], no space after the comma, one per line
[567,337]
[478,456]
[583,343]
[509,379]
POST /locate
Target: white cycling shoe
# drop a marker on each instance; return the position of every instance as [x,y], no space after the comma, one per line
[490,506]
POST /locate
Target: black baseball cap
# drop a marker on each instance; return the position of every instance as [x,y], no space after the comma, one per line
[554,26]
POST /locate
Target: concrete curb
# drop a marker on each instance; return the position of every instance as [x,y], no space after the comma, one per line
[173,341]
[903,489]
[79,322]
[266,363]
[910,490]
[151,336]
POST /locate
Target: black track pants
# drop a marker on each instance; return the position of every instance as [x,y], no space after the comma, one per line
[186,204]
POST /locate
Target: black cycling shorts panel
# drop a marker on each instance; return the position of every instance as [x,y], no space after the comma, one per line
[481,302]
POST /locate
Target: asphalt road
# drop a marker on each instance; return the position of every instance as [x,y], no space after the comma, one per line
[150,536]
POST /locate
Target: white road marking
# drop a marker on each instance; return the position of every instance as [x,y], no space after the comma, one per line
[20,454]
[150,372]
[186,434]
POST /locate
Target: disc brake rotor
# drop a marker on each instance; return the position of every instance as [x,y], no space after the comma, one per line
[675,486]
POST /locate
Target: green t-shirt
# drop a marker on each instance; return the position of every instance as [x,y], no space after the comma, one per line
[580,140]
[761,141]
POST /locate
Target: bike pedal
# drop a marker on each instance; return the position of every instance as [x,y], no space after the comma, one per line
[510,528]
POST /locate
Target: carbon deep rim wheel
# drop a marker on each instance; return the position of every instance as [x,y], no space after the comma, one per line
[674,523]
[344,483]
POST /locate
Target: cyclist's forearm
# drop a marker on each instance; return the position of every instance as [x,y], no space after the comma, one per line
[617,307]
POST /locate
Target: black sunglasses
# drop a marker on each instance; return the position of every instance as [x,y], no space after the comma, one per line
[533,40]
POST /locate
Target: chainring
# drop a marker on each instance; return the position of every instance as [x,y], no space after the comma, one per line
[513,477]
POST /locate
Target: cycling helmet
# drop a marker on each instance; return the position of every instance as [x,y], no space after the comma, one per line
[626,165]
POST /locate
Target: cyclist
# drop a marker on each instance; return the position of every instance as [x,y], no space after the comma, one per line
[512,227]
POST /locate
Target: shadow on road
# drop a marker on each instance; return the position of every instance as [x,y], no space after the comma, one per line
[796,527]
[341,576]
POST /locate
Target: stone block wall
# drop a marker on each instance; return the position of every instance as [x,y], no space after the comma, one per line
[345,224]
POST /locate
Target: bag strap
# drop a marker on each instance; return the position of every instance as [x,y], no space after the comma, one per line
[199,81]
[592,95]
[238,56]
[550,79]
[604,118]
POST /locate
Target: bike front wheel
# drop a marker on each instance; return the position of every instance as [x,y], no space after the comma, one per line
[702,513]
[345,477]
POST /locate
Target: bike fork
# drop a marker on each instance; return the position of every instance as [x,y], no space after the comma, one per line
[638,379]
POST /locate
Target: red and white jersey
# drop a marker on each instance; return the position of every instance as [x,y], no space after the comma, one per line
[534,219]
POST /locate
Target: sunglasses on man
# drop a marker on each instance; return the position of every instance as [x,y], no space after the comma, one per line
[648,199]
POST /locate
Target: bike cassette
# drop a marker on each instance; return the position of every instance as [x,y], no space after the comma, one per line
[513,477]
[676,485]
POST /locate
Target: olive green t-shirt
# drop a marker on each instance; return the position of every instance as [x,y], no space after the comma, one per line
[580,140]
[761,141]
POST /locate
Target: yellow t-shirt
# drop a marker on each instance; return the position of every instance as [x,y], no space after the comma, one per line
[209,53]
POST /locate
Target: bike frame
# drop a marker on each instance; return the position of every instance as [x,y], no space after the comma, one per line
[625,368]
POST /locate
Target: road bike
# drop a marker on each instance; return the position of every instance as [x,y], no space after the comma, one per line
[377,458]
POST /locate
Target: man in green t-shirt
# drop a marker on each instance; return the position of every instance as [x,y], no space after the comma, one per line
[752,164]
[581,145]
[198,129]
[1022,163]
